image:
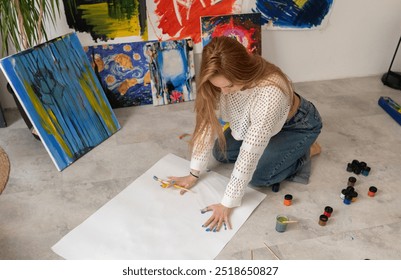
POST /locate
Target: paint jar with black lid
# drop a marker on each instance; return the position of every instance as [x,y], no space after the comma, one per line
[343,193]
[347,200]
[372,191]
[366,171]
[353,196]
[327,211]
[351,181]
[287,200]
[276,187]
[323,220]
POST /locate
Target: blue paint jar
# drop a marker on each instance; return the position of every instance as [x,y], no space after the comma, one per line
[347,200]
[365,171]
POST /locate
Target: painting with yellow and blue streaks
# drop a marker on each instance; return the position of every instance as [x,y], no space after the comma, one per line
[64,100]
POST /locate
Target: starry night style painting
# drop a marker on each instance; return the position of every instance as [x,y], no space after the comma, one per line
[62,97]
[123,70]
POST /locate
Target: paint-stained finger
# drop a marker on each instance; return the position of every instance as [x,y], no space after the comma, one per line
[208,222]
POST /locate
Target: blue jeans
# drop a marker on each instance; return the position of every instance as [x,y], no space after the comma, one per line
[287,156]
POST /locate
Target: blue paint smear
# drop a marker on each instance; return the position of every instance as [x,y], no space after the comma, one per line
[285,13]
[139,94]
[54,70]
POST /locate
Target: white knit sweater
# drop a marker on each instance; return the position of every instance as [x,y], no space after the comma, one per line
[255,115]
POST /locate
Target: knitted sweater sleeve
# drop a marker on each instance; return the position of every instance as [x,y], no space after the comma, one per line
[201,152]
[268,113]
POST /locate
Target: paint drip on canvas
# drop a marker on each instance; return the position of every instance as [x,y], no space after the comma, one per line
[172,71]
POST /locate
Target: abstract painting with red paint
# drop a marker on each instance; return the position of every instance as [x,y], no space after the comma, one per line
[245,28]
[179,19]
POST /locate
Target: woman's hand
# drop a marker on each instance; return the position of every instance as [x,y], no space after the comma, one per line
[220,217]
[185,182]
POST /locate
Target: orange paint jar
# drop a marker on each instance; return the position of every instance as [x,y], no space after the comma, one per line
[287,200]
[372,191]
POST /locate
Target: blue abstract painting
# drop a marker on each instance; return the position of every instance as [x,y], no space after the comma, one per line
[62,97]
[172,71]
[290,13]
[123,70]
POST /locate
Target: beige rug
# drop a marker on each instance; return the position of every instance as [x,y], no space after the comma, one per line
[4,169]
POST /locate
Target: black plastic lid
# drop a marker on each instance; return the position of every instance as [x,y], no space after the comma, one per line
[355,162]
[323,218]
[352,179]
[353,194]
[288,197]
[328,209]
[373,189]
[362,164]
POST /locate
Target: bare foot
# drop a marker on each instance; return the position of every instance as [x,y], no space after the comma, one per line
[315,149]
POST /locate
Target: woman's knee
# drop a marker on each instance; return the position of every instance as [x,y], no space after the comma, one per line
[219,155]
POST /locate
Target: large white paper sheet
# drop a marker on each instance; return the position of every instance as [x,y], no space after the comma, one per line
[147,222]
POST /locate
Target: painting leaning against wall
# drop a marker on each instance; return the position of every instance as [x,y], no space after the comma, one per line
[62,97]
[172,71]
[123,70]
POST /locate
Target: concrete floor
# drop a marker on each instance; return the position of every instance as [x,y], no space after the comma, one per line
[40,205]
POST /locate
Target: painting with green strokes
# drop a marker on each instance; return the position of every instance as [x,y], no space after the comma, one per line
[62,97]
[107,19]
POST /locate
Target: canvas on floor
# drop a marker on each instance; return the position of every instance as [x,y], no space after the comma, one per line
[148,222]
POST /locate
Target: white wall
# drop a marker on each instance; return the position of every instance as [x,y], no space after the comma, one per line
[359,39]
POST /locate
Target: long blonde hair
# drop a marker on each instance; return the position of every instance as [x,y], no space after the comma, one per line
[227,57]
